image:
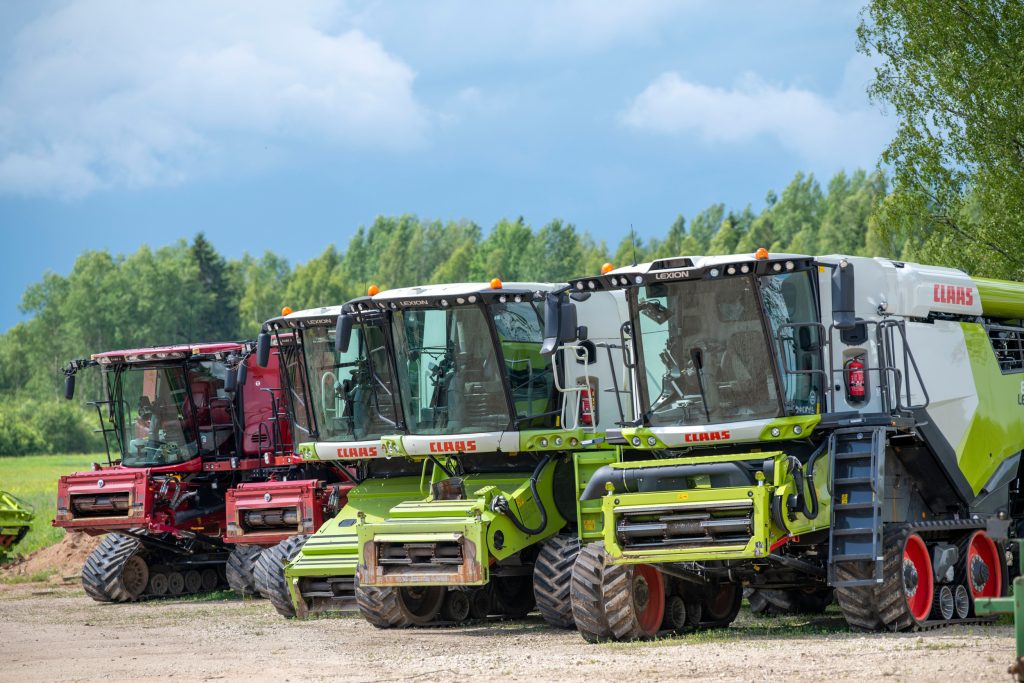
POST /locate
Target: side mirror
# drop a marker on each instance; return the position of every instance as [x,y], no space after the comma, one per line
[69,387]
[552,324]
[567,322]
[343,333]
[843,309]
[263,349]
[241,373]
[231,380]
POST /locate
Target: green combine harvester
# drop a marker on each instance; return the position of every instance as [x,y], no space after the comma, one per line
[495,422]
[15,518]
[808,425]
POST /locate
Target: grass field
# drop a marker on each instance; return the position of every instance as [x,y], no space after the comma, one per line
[33,479]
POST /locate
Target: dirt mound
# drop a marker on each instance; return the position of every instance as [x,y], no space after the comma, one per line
[63,559]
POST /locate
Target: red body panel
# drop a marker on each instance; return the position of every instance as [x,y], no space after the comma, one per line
[258,406]
[307,502]
[118,498]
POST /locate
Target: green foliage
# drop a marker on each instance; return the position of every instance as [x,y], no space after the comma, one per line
[189,292]
[952,73]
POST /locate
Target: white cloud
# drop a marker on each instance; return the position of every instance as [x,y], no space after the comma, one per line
[842,130]
[110,94]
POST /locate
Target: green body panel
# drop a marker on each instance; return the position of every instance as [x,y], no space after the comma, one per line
[1001,299]
[14,516]
[997,426]
[589,513]
[469,521]
[765,531]
[333,549]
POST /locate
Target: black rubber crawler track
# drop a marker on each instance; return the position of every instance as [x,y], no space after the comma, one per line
[269,574]
[877,607]
[240,567]
[101,574]
[383,607]
[552,578]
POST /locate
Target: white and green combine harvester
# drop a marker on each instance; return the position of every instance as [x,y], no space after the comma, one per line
[808,424]
[342,399]
[493,414]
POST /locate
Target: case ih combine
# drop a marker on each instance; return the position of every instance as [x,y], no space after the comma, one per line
[183,426]
[495,418]
[808,424]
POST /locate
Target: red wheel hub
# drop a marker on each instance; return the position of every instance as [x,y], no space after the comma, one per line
[649,598]
[918,584]
[984,570]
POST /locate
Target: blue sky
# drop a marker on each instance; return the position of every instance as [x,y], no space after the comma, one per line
[285,126]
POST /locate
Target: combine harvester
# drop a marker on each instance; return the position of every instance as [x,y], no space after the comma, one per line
[15,518]
[493,421]
[342,400]
[808,424]
[183,425]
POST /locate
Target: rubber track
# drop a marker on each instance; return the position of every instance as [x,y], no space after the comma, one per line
[602,602]
[552,579]
[240,567]
[381,606]
[874,608]
[101,574]
[269,574]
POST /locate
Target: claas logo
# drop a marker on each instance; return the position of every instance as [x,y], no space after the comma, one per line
[358,452]
[952,294]
[723,435]
[467,446]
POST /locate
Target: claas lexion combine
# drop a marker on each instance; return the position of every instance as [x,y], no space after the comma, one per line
[467,504]
[189,429]
[15,520]
[807,425]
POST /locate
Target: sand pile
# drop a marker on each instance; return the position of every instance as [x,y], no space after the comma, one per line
[64,558]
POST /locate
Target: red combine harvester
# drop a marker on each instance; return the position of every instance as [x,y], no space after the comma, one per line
[184,426]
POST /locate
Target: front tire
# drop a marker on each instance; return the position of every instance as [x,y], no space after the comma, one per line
[240,568]
[615,602]
[269,574]
[552,579]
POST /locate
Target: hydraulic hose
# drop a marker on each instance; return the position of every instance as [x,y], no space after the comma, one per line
[797,471]
[501,505]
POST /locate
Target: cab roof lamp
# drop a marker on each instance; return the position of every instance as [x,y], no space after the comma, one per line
[607,268]
[287,310]
[372,290]
[761,254]
[495,283]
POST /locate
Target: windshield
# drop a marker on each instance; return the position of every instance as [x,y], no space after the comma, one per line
[448,371]
[160,411]
[520,329]
[351,393]
[706,359]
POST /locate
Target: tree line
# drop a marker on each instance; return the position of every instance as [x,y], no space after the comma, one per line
[188,291]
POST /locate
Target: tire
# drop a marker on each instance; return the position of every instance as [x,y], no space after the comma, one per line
[721,606]
[239,569]
[390,607]
[103,572]
[269,574]
[552,579]
[615,602]
[456,607]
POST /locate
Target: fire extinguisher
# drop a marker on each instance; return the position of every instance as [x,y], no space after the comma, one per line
[856,385]
[588,402]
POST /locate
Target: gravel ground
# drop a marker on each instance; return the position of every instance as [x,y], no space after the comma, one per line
[51,632]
